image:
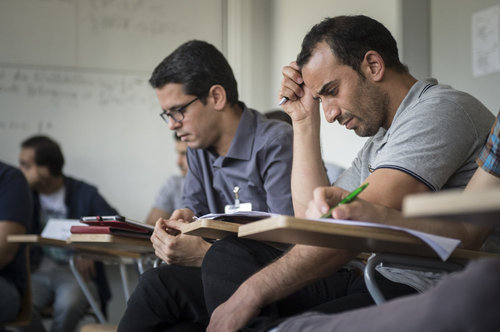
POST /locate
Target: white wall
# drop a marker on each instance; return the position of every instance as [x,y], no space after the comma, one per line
[77,70]
[451,46]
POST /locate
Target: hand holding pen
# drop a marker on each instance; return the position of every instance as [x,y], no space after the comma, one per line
[296,98]
[349,198]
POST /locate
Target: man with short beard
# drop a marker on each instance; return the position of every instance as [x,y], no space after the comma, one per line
[423,137]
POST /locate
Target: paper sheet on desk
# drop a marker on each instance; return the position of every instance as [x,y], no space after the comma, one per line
[60,229]
[443,246]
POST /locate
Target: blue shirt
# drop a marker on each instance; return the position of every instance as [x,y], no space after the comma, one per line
[15,205]
[259,161]
[489,158]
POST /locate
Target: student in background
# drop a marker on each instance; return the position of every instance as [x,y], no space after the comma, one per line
[423,137]
[463,301]
[59,196]
[16,209]
[170,196]
[229,145]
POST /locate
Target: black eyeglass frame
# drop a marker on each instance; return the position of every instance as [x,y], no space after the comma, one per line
[177,114]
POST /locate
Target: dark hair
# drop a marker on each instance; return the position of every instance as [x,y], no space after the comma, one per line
[47,153]
[349,38]
[197,65]
[177,138]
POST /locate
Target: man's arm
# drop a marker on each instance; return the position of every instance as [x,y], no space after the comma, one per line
[300,266]
[482,179]
[308,171]
[8,250]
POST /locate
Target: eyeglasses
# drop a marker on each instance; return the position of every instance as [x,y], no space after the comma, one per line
[176,114]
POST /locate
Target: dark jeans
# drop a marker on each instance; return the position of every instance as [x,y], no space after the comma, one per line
[229,262]
[463,301]
[174,298]
[166,298]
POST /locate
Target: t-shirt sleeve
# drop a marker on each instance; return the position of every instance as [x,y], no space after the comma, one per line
[15,197]
[432,145]
[167,196]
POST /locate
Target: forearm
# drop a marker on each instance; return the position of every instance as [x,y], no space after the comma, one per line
[296,269]
[308,171]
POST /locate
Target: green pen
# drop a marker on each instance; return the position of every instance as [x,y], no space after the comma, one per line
[346,200]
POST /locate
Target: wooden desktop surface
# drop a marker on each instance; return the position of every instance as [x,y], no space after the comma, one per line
[480,207]
[211,229]
[284,229]
[112,245]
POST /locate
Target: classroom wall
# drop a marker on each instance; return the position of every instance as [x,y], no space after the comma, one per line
[451,49]
[77,70]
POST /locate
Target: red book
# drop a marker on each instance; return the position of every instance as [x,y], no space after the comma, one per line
[110,230]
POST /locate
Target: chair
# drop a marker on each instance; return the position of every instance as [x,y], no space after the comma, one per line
[405,262]
[24,316]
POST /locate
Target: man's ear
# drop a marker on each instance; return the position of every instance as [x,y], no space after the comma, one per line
[373,66]
[218,95]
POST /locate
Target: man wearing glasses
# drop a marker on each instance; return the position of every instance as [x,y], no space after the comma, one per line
[230,147]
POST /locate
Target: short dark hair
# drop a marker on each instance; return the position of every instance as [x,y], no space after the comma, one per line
[197,65]
[47,153]
[349,38]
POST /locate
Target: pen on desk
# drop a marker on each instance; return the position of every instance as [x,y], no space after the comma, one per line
[346,200]
[282,101]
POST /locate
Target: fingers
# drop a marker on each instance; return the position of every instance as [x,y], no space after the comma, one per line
[326,197]
[291,84]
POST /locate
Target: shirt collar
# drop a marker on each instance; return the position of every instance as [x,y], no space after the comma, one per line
[243,140]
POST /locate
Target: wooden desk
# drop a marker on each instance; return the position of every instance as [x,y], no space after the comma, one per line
[211,229]
[480,207]
[285,229]
[103,247]
[113,242]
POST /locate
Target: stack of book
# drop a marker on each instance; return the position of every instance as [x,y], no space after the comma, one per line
[114,225]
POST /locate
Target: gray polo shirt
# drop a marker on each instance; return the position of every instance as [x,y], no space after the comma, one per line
[169,197]
[259,161]
[435,137]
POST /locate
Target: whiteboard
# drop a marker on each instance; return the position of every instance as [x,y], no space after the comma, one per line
[78,70]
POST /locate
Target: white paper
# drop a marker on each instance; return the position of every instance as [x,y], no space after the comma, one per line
[59,229]
[486,41]
[442,246]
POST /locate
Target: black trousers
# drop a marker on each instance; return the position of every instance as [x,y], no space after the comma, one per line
[229,262]
[167,298]
[177,298]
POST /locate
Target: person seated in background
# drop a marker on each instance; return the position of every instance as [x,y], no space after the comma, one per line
[16,208]
[169,197]
[463,301]
[230,147]
[423,136]
[333,170]
[58,196]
